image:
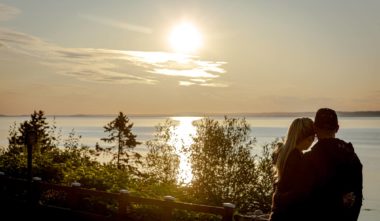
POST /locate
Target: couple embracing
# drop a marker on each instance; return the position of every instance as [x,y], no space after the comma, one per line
[324,183]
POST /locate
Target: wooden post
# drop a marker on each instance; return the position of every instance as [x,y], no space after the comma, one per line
[73,196]
[168,209]
[228,211]
[123,201]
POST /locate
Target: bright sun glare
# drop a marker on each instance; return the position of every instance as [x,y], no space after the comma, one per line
[181,137]
[185,38]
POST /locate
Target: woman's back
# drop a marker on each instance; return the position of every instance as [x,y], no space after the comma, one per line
[290,206]
[289,200]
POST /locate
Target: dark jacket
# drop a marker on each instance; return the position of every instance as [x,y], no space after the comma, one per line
[335,170]
[290,208]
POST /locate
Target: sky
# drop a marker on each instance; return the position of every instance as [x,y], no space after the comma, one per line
[102,57]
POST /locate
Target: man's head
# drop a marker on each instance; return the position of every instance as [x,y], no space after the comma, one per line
[326,123]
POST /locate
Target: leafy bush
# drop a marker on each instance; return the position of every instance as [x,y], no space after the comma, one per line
[223,166]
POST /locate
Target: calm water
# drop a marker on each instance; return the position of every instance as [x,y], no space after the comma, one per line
[364,133]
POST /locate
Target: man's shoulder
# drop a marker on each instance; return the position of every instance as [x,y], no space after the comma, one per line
[343,147]
[332,145]
[330,149]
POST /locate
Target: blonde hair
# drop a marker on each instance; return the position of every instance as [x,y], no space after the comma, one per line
[299,129]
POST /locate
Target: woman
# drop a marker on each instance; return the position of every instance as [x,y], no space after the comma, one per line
[290,167]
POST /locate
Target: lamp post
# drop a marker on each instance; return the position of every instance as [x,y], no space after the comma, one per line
[30,140]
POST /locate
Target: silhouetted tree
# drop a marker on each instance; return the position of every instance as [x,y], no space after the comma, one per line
[44,141]
[120,132]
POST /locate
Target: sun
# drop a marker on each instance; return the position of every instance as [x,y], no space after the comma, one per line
[185,38]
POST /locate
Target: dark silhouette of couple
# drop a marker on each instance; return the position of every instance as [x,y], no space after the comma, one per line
[324,183]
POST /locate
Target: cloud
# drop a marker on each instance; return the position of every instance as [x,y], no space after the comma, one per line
[117,24]
[113,66]
[110,66]
[213,85]
[199,73]
[190,83]
[8,12]
[186,83]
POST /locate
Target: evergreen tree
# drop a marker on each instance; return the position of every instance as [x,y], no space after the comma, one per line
[120,132]
[44,138]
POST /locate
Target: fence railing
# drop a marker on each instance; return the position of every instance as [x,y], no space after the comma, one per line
[111,206]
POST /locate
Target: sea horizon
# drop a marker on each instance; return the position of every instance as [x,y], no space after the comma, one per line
[364,113]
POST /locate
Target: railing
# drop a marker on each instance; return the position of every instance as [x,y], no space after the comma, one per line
[93,203]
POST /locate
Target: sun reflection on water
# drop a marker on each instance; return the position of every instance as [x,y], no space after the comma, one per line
[181,138]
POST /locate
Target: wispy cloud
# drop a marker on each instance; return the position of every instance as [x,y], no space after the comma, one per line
[7,12]
[111,66]
[186,83]
[203,84]
[214,85]
[117,24]
[185,73]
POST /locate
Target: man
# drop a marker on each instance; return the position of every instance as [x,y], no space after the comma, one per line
[335,176]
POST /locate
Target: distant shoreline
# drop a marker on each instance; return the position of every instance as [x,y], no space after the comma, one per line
[263,114]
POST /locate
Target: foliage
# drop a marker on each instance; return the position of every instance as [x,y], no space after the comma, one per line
[41,136]
[162,162]
[224,168]
[262,193]
[120,132]
[43,140]
[82,165]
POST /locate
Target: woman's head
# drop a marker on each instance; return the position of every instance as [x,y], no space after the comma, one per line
[300,136]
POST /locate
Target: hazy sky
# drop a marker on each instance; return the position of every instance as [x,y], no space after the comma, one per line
[101,57]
